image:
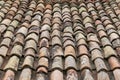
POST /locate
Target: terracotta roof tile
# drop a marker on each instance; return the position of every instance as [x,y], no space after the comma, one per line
[84,62]
[59,39]
[72,74]
[25,74]
[28,62]
[57,63]
[44,52]
[86,74]
[12,63]
[56,74]
[16,50]
[103,75]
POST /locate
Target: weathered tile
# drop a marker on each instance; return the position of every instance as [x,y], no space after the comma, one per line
[12,63]
[32,36]
[116,43]
[78,28]
[66,15]
[56,41]
[103,75]
[82,9]
[76,17]
[11,28]
[114,63]
[3,51]
[41,76]
[45,27]
[49,39]
[47,21]
[34,29]
[109,26]
[28,62]
[35,23]
[93,45]
[100,65]
[19,39]
[89,25]
[47,16]
[44,52]
[57,51]
[67,35]
[71,74]
[48,6]
[6,42]
[22,30]
[87,20]
[56,33]
[105,41]
[82,42]
[92,37]
[107,22]
[48,11]
[69,50]
[44,43]
[70,62]
[57,63]
[25,74]
[113,36]
[56,20]
[84,62]
[96,53]
[56,74]
[1,60]
[82,50]
[2,14]
[9,75]
[42,70]
[8,34]
[43,62]
[68,42]
[109,51]
[102,34]
[31,44]
[79,36]
[27,18]
[37,17]
[17,50]
[18,17]
[100,27]
[65,10]
[84,14]
[29,52]
[116,73]
[86,75]
[57,14]
[45,34]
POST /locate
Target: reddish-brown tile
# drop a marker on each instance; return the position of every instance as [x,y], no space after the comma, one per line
[69,50]
[59,39]
[113,61]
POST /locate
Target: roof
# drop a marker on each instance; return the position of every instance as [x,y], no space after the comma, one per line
[63,40]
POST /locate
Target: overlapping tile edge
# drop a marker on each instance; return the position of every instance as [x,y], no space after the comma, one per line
[64,40]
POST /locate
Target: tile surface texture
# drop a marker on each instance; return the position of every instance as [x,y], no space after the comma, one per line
[59,39]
